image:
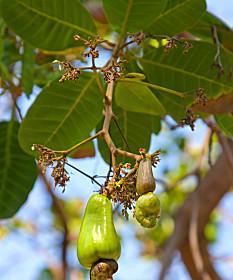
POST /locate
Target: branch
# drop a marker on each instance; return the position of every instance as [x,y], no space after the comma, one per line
[209,192]
[186,254]
[194,242]
[61,214]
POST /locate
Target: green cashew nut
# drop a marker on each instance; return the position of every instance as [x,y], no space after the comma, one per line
[98,238]
[147,210]
[145,180]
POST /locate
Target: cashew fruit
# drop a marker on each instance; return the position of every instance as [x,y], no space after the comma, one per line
[98,238]
[145,180]
[147,210]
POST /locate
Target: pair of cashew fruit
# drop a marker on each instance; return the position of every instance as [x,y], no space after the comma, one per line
[147,208]
[98,244]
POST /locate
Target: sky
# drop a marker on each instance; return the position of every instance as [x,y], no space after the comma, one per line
[27,255]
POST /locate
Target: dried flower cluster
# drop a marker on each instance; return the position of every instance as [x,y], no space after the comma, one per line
[173,43]
[49,158]
[71,73]
[113,71]
[201,97]
[138,38]
[189,119]
[122,187]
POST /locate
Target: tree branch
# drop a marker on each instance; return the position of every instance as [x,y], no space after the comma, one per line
[209,192]
[61,214]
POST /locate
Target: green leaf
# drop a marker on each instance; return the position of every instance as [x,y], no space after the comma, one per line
[186,73]
[28,61]
[178,16]
[203,30]
[48,25]
[225,122]
[132,15]
[63,114]
[18,171]
[136,129]
[138,98]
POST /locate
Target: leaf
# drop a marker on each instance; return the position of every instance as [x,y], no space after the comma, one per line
[203,27]
[63,114]
[136,129]
[132,15]
[18,171]
[48,25]
[225,122]
[178,16]
[186,73]
[134,97]
[28,68]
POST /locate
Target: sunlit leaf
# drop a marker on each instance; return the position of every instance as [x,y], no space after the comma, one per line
[48,25]
[135,97]
[129,15]
[186,73]
[203,30]
[63,114]
[178,16]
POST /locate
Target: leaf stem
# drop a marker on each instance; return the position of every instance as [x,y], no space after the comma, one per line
[68,151]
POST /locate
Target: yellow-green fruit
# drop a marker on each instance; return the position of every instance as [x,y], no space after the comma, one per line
[147,210]
[145,180]
[98,238]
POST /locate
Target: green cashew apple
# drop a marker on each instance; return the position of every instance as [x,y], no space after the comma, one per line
[98,238]
[147,210]
[145,180]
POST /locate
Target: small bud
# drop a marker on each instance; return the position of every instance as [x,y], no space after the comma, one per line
[76,37]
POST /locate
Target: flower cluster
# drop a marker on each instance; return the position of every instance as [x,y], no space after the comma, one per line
[71,73]
[201,97]
[189,119]
[113,71]
[48,157]
[122,187]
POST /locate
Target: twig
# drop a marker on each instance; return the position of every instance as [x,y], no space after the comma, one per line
[85,174]
[121,133]
[217,59]
[109,170]
[225,145]
[210,145]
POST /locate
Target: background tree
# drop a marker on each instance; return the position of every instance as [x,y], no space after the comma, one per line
[163,71]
